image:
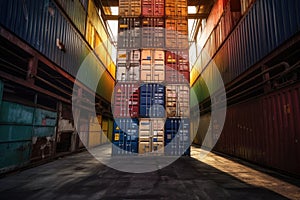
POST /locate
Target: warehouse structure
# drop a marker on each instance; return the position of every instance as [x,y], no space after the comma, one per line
[239,58]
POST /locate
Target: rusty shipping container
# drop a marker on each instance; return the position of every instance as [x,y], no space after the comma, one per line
[126,100]
[153,32]
[153,8]
[129,8]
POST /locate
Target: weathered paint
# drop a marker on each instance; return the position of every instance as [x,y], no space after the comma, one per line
[264,130]
[263,29]
[42,25]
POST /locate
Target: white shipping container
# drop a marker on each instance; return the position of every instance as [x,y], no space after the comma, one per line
[178,100]
[129,72]
[153,66]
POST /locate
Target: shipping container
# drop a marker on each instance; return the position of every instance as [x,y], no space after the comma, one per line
[129,8]
[42,26]
[264,130]
[129,35]
[153,8]
[76,11]
[125,148]
[176,33]
[152,100]
[177,137]
[128,63]
[176,8]
[153,66]
[177,66]
[151,136]
[153,32]
[27,134]
[126,100]
[125,136]
[125,129]
[242,49]
[178,100]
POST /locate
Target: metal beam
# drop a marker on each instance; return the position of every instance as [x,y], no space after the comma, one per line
[189,2]
[198,16]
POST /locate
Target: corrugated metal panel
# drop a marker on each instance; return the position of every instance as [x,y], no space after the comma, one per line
[177,136]
[16,135]
[126,100]
[176,8]
[128,65]
[129,35]
[76,11]
[153,66]
[177,33]
[265,130]
[153,32]
[281,114]
[41,25]
[130,8]
[152,100]
[178,101]
[151,136]
[257,35]
[153,8]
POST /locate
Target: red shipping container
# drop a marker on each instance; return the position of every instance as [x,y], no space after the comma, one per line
[126,100]
[153,8]
[177,66]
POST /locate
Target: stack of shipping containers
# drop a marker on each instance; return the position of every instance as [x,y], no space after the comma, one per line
[151,97]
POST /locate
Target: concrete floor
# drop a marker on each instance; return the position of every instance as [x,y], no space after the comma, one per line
[80,176]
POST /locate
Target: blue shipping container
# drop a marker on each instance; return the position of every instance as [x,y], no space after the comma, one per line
[126,129]
[152,100]
[177,137]
[124,148]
